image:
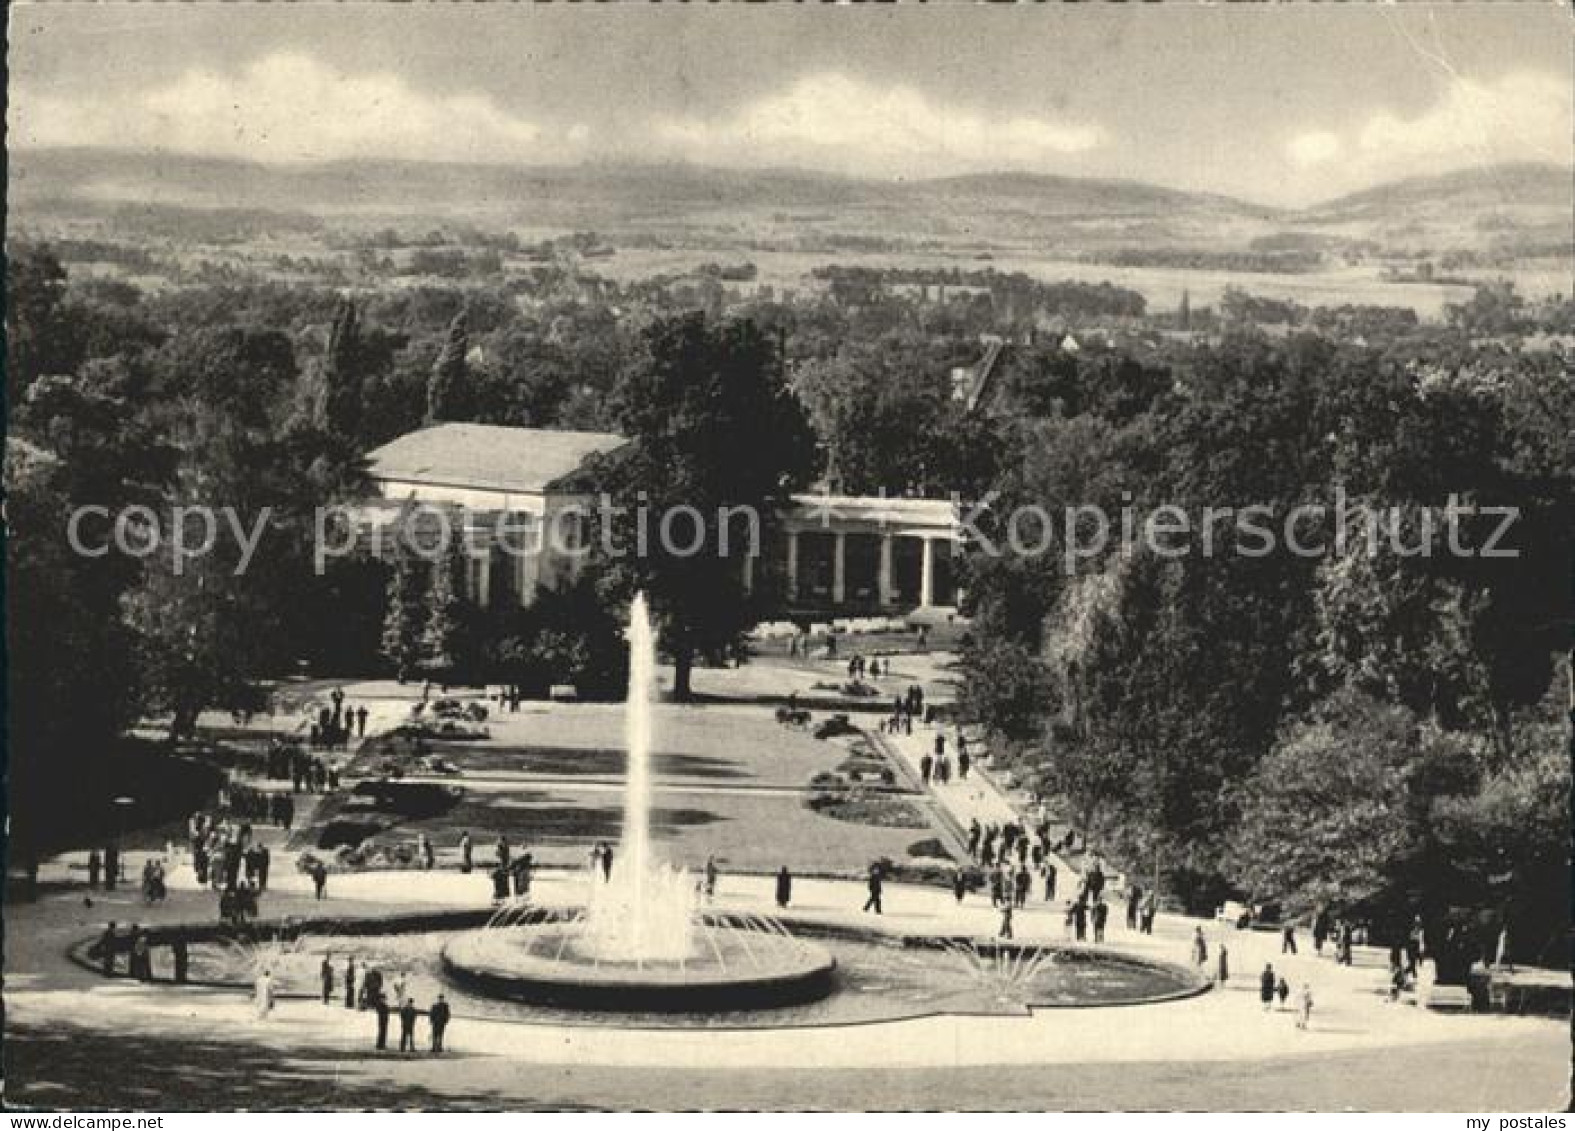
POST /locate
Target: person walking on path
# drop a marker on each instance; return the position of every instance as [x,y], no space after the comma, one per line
[380,1004]
[1266,982]
[1223,974]
[784,887]
[438,1017]
[1049,882]
[959,886]
[1022,881]
[106,948]
[875,885]
[1282,990]
[1100,914]
[327,975]
[710,878]
[1006,921]
[407,1026]
[1150,906]
[1134,904]
[1288,939]
[262,994]
[1304,1005]
[1200,948]
[350,982]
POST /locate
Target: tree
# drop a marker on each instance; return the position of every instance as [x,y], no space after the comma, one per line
[716,436]
[343,373]
[448,389]
[442,650]
[404,616]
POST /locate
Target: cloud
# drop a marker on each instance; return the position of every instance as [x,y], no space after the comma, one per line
[1523,116]
[1316,147]
[285,107]
[831,120]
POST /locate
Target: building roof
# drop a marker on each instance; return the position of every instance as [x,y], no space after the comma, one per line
[488,457]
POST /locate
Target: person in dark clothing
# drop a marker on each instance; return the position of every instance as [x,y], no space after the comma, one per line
[327,975]
[784,887]
[964,760]
[106,948]
[1022,881]
[926,764]
[438,1017]
[1006,922]
[607,863]
[181,953]
[875,885]
[1288,939]
[1049,882]
[1134,901]
[974,833]
[1266,982]
[407,1026]
[1101,912]
[1080,920]
[319,879]
[95,866]
[264,861]
[380,1004]
[360,722]
[959,885]
[997,888]
[350,983]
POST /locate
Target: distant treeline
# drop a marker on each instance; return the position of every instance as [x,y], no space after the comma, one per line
[1287,261]
[1020,291]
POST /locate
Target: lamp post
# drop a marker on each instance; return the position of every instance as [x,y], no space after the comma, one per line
[112,873]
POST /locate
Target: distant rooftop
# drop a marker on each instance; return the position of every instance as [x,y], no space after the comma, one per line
[488,457]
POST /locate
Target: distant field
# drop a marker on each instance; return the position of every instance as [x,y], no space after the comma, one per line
[1161,286]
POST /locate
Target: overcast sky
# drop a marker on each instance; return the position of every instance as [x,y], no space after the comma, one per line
[1284,104]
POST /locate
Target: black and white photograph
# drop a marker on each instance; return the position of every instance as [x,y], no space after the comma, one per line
[815,557]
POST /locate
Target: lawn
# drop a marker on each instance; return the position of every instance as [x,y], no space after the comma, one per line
[746,830]
[712,745]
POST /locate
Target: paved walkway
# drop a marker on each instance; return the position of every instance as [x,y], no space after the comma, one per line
[1224,1025]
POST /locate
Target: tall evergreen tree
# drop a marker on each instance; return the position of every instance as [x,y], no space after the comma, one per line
[441,649]
[403,620]
[448,388]
[343,373]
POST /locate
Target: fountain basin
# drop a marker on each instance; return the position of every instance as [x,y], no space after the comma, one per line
[735,969]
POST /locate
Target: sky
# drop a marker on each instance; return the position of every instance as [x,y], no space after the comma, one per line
[1279,103]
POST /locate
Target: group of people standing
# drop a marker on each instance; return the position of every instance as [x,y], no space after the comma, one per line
[905,708]
[335,725]
[936,767]
[369,991]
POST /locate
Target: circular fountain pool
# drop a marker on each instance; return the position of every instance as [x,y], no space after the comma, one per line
[734,966]
[874,977]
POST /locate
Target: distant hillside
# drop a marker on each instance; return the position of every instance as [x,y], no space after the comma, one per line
[1472,189]
[1514,210]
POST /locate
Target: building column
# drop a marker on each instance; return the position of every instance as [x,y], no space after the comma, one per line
[885,586]
[839,568]
[792,565]
[927,576]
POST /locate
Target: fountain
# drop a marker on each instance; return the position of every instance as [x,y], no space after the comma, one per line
[641,942]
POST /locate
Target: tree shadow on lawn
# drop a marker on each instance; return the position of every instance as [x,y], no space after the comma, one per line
[541,817]
[547,761]
[68,1067]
